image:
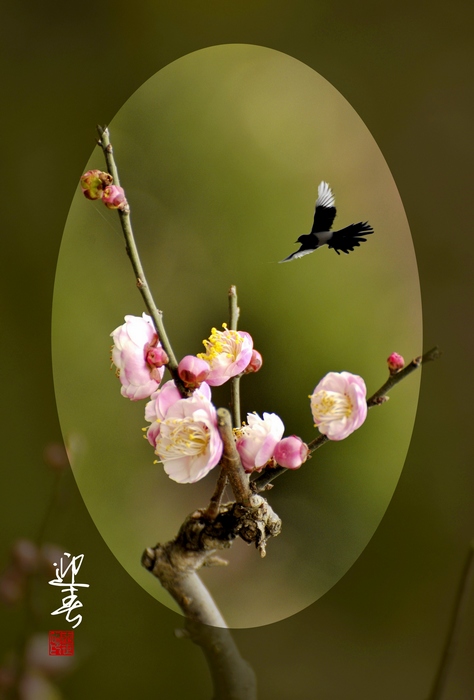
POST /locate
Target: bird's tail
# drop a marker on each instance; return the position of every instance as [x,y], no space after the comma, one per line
[350,237]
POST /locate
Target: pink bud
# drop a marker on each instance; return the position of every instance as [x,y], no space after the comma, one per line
[395,363]
[255,363]
[93,183]
[156,357]
[114,197]
[193,371]
[291,452]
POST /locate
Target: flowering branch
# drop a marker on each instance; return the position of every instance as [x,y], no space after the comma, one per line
[191,437]
[269,474]
[132,252]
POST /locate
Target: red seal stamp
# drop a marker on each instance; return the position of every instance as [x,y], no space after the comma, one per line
[61,643]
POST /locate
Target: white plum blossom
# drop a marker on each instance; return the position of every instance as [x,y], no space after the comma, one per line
[339,405]
[228,353]
[256,441]
[184,433]
[134,354]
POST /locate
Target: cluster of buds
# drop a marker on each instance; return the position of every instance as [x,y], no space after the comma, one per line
[96,184]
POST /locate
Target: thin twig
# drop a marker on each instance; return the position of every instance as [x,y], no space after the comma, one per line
[234,310]
[234,313]
[271,473]
[457,616]
[394,379]
[132,252]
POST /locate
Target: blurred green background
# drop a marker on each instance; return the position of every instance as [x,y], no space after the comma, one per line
[221,154]
[407,71]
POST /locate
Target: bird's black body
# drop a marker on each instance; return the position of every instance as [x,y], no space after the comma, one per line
[345,240]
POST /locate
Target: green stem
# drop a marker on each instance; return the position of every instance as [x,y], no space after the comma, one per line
[132,252]
[234,313]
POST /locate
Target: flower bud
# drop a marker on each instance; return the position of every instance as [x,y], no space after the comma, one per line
[395,363]
[255,363]
[156,357]
[193,371]
[291,452]
[114,197]
[93,183]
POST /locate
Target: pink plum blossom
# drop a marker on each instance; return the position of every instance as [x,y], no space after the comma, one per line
[160,401]
[395,363]
[339,405]
[256,441]
[291,452]
[193,371]
[157,407]
[228,353]
[132,342]
[188,442]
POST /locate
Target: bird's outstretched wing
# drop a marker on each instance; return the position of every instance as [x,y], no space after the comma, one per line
[350,237]
[325,211]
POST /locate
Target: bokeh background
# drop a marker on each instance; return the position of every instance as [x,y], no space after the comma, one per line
[407,72]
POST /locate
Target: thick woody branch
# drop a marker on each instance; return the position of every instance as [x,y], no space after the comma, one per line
[175,564]
[230,461]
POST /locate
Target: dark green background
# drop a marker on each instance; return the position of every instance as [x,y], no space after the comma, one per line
[407,70]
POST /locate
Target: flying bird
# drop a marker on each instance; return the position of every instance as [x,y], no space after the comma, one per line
[345,239]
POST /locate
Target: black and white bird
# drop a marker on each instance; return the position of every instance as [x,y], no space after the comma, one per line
[344,240]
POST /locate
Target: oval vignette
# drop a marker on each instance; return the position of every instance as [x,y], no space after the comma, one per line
[221,154]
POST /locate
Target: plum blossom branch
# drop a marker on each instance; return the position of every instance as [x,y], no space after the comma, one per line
[269,474]
[132,252]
